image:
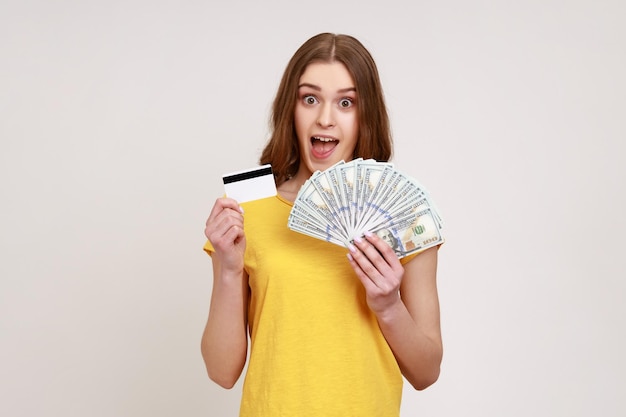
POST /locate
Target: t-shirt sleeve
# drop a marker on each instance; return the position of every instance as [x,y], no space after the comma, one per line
[208,247]
[408,258]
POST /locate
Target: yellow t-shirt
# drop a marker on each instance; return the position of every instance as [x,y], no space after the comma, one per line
[316,348]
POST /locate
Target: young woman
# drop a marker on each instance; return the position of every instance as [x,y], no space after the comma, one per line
[332,330]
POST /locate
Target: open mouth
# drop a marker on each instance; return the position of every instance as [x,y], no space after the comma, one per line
[322,146]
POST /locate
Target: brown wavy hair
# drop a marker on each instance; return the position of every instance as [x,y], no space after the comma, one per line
[374,139]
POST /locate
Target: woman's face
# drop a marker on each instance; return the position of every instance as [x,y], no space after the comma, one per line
[326,116]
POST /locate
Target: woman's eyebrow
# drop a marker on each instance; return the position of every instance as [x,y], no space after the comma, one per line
[313,86]
[318,88]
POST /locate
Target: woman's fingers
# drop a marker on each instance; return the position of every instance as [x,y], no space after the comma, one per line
[378,261]
[379,270]
[224,229]
[220,205]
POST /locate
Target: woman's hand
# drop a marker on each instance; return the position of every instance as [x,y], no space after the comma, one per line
[224,229]
[380,271]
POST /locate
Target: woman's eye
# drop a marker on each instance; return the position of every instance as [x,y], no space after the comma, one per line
[310,100]
[345,103]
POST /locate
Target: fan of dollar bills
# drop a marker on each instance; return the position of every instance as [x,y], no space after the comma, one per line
[351,198]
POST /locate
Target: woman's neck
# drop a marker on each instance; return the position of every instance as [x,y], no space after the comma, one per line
[290,188]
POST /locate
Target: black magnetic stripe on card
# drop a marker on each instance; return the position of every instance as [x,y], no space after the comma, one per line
[247,175]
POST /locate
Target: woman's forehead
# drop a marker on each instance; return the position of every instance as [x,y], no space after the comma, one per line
[333,76]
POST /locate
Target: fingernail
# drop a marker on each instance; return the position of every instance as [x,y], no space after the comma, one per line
[358,239]
[241,209]
[368,234]
[351,248]
[349,256]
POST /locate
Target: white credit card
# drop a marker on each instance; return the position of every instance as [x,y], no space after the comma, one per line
[250,184]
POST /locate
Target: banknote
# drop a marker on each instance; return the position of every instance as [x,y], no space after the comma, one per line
[351,198]
[419,233]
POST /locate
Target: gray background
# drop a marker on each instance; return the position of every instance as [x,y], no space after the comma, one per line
[117,119]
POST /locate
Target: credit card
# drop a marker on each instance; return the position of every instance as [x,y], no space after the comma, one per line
[250,184]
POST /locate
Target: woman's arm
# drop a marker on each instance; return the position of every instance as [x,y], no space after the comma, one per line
[225,340]
[412,325]
[406,303]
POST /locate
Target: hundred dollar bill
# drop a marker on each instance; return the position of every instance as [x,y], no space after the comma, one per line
[347,179]
[324,184]
[343,204]
[303,226]
[379,205]
[351,198]
[401,196]
[421,234]
[311,199]
[377,183]
[371,173]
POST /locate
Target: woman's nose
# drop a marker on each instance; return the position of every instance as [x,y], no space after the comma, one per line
[326,117]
